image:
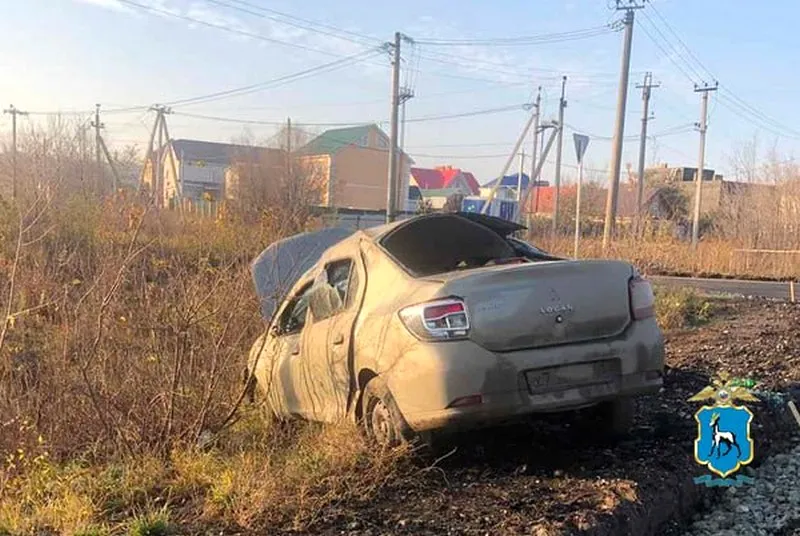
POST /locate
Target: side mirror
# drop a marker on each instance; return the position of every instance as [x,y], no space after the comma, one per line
[275,330]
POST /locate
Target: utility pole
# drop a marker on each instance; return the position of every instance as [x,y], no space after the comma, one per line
[289,145]
[559,148]
[406,94]
[698,196]
[645,87]
[97,150]
[514,153]
[391,183]
[619,128]
[14,113]
[519,185]
[535,147]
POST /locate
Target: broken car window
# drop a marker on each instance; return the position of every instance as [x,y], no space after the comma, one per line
[294,316]
[331,290]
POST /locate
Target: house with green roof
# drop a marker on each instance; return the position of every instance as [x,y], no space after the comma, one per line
[354,164]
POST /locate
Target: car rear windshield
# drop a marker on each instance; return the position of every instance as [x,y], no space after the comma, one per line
[435,245]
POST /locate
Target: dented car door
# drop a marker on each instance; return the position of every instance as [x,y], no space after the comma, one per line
[327,342]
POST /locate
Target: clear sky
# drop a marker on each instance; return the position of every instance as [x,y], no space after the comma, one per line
[67,55]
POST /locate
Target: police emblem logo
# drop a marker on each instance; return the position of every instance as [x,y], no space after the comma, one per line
[723,443]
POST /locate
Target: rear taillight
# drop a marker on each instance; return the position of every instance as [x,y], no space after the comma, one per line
[438,320]
[642,298]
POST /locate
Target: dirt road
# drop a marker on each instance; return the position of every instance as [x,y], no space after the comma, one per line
[551,478]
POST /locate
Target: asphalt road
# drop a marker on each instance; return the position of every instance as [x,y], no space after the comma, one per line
[762,289]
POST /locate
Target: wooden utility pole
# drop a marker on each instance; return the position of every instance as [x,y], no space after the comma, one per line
[645,87]
[562,103]
[14,113]
[698,195]
[619,128]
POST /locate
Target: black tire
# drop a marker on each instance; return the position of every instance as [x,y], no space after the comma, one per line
[616,417]
[379,419]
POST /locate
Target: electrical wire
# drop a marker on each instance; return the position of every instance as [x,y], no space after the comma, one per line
[473,113]
[222,27]
[302,23]
[728,98]
[526,40]
[253,88]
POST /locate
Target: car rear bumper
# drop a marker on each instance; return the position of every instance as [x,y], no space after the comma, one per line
[498,387]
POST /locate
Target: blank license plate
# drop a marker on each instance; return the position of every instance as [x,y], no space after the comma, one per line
[572,376]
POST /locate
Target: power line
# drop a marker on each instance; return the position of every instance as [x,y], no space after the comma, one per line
[244,33]
[277,81]
[730,100]
[677,52]
[669,27]
[307,24]
[487,111]
[525,40]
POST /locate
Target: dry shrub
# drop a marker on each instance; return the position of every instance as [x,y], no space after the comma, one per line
[288,480]
[124,339]
[681,307]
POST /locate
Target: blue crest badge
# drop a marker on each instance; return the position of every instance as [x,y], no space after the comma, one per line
[723,443]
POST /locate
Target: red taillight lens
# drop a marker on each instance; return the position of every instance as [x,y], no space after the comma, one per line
[642,298]
[437,320]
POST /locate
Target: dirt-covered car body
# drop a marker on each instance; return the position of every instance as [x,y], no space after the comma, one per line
[451,322]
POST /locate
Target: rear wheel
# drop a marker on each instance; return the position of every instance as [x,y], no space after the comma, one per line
[616,417]
[378,419]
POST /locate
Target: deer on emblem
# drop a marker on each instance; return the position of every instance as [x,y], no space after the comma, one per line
[720,438]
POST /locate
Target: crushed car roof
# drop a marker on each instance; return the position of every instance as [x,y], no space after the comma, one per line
[278,268]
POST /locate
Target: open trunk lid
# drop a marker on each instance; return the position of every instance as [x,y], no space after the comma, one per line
[543,304]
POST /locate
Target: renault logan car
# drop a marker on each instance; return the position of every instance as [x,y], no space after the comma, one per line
[447,322]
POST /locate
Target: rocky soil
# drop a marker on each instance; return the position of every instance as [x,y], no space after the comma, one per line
[550,478]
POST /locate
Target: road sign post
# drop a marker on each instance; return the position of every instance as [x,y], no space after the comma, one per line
[581,143]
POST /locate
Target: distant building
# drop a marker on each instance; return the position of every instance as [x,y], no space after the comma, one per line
[354,162]
[665,174]
[444,177]
[202,169]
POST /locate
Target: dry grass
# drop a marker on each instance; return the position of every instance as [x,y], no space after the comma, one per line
[257,478]
[667,256]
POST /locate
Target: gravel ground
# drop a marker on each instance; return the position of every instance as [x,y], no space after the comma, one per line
[771,506]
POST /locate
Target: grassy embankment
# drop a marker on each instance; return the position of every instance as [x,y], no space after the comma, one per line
[125,340]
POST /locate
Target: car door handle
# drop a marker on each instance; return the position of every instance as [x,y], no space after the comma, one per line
[296,350]
[339,339]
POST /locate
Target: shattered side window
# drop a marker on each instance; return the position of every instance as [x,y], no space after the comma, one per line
[294,316]
[339,277]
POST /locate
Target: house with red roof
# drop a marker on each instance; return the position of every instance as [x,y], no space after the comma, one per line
[445,178]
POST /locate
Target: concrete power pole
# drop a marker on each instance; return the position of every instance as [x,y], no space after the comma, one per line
[518,219]
[562,103]
[391,183]
[619,128]
[535,147]
[97,148]
[698,196]
[14,113]
[645,87]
